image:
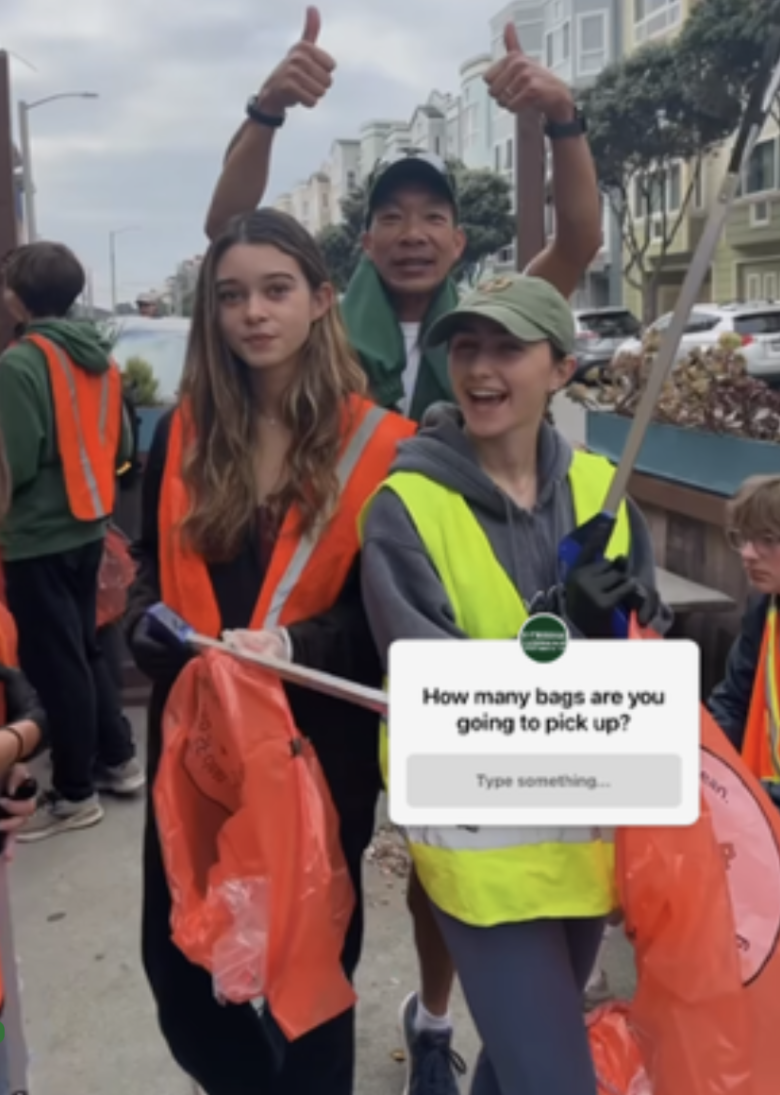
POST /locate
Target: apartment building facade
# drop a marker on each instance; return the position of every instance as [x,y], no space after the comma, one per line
[747,263]
[576,39]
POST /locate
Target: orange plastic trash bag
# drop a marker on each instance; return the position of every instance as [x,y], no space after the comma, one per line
[117,571]
[260,890]
[702,908]
[616,1056]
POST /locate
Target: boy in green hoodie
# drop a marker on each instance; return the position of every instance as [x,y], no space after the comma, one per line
[51,556]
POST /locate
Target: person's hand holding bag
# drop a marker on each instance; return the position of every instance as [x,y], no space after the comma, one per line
[269,643]
[595,588]
[157,659]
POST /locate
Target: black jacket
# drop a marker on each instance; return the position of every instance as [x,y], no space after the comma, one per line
[338,642]
[729,703]
[222,1048]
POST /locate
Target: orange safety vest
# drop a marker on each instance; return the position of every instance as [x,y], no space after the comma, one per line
[88,416]
[761,744]
[305,575]
[9,657]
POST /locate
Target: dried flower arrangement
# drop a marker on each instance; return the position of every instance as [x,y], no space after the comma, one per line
[708,389]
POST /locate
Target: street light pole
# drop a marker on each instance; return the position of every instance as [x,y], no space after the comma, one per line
[112,258]
[26,153]
[27,180]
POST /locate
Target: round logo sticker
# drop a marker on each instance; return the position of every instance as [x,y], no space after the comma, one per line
[752,861]
[543,638]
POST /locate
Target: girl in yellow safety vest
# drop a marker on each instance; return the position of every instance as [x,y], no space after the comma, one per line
[746,704]
[459,543]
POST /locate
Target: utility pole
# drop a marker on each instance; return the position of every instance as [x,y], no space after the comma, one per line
[112,257]
[112,261]
[530,171]
[31,220]
[28,186]
[9,226]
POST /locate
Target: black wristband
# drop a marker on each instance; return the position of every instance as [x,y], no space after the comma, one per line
[258,116]
[557,131]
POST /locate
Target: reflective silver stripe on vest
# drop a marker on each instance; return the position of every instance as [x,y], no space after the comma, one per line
[105,392]
[474,839]
[770,669]
[86,467]
[305,549]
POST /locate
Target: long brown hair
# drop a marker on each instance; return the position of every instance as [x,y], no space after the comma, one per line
[218,469]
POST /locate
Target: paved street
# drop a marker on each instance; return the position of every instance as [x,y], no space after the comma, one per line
[77,902]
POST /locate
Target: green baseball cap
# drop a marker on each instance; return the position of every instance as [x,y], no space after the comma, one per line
[528,308]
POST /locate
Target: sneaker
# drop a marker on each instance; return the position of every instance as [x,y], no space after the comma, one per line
[432,1065]
[597,992]
[56,814]
[123,779]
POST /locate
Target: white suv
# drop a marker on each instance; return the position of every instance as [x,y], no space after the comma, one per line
[758,324]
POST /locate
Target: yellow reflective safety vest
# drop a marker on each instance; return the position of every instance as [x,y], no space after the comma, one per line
[487,876]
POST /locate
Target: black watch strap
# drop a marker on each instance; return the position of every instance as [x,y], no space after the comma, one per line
[557,131]
[274,121]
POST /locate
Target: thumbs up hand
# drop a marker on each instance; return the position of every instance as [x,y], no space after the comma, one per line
[518,83]
[303,77]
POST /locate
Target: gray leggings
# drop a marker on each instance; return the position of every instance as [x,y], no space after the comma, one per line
[524,986]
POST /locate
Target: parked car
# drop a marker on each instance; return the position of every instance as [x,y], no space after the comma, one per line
[599,332]
[160,342]
[757,324]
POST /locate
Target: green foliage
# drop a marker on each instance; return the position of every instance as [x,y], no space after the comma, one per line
[644,119]
[485,212]
[720,48]
[140,382]
[485,200]
[341,254]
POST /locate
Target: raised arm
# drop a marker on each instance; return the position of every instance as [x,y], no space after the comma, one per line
[517,83]
[301,79]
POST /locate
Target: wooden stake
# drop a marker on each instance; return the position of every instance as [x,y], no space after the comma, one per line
[530,163]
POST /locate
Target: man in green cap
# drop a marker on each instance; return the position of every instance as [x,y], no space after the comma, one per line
[413,240]
[520,910]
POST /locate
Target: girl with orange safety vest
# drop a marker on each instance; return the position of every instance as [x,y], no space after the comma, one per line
[251,497]
[746,704]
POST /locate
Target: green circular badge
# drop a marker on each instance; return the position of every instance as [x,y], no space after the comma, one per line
[543,638]
[2,1032]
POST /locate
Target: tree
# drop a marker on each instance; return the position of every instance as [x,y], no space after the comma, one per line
[644,123]
[485,212]
[139,382]
[485,201]
[720,48]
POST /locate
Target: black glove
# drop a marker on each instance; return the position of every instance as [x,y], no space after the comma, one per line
[21,699]
[594,590]
[157,659]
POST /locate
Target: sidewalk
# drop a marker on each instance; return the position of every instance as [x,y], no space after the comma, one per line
[88,1011]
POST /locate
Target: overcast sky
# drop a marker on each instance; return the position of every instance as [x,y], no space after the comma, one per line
[173,77]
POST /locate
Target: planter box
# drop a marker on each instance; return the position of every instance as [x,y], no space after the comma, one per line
[710,462]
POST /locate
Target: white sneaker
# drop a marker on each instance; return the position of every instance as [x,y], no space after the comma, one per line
[56,814]
[124,779]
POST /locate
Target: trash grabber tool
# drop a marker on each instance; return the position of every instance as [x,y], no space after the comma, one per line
[171,629]
[589,541]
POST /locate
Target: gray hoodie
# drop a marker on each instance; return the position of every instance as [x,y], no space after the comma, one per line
[402,592]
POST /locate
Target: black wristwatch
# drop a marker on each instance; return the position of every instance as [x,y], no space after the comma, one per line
[557,131]
[274,121]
